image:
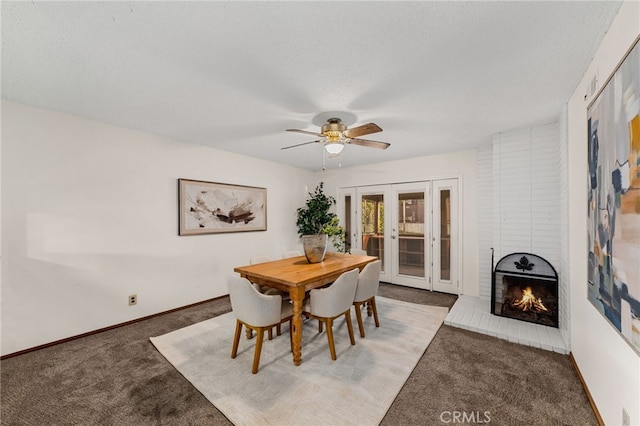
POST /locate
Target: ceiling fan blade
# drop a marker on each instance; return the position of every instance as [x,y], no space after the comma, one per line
[300,144]
[370,144]
[365,129]
[304,131]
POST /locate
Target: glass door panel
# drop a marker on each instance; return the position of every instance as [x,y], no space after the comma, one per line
[373,225]
[346,209]
[411,234]
[445,234]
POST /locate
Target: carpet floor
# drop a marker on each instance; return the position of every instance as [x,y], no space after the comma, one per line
[117,377]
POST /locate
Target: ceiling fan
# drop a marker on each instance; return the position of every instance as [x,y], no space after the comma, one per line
[335,135]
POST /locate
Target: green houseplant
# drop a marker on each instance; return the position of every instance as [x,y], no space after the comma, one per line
[316,224]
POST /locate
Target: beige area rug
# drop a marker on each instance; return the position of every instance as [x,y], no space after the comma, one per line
[357,388]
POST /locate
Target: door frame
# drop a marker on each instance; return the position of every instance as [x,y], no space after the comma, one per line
[452,285]
[353,191]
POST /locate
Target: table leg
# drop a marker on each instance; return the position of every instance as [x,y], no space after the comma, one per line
[297,297]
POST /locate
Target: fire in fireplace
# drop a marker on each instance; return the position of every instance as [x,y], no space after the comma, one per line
[529,302]
[525,287]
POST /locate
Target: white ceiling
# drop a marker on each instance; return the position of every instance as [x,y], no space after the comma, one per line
[436,76]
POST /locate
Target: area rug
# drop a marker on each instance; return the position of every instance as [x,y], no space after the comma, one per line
[357,388]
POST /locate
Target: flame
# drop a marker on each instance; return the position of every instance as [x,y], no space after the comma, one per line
[529,302]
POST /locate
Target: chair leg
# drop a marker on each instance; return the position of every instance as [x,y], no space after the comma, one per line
[358,306]
[270,333]
[332,347]
[350,326]
[374,308]
[258,350]
[278,329]
[319,326]
[236,339]
[291,333]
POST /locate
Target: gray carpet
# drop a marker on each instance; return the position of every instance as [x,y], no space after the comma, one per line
[118,378]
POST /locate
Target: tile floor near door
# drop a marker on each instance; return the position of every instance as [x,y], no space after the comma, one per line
[473,313]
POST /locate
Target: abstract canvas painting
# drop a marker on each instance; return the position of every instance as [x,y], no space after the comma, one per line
[211,207]
[614,199]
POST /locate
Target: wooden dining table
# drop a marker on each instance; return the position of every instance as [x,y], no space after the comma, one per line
[296,276]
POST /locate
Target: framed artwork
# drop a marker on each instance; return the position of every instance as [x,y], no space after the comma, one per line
[212,208]
[613,226]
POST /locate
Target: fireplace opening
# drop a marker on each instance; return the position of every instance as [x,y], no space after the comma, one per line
[525,287]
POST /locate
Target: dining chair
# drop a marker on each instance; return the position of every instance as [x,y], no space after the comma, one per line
[291,253]
[327,304]
[368,282]
[359,252]
[268,290]
[257,312]
[264,289]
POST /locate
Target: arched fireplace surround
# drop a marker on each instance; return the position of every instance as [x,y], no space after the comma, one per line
[525,287]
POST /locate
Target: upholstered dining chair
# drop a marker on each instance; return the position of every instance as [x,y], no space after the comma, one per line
[257,312]
[327,304]
[368,282]
[359,252]
[291,253]
[268,290]
[264,289]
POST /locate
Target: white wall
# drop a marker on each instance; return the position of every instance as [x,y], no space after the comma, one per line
[90,216]
[456,164]
[609,365]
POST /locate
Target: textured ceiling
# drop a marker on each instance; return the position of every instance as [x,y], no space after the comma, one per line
[436,76]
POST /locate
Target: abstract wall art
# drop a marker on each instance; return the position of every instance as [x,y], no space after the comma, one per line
[211,208]
[613,227]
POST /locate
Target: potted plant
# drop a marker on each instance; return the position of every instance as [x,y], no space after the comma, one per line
[316,224]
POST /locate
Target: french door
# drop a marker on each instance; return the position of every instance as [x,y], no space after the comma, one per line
[411,227]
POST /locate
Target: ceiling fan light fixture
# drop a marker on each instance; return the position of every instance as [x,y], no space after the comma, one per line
[334,148]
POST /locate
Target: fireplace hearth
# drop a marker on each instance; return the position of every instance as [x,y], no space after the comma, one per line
[525,287]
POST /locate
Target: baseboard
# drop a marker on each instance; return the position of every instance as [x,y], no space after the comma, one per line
[100,330]
[586,391]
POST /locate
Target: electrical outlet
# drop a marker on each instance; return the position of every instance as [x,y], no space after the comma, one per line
[133,299]
[626,421]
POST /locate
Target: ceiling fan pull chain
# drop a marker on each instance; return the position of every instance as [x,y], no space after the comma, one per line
[324,160]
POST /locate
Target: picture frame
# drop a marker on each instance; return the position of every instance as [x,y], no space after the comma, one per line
[613,206]
[214,208]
